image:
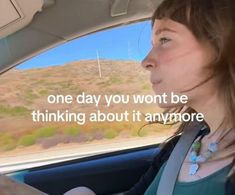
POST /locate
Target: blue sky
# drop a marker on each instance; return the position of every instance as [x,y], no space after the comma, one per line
[129,42]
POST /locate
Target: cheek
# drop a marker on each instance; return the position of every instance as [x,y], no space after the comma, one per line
[182,68]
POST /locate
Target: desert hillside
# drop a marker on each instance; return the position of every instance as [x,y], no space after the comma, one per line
[25,90]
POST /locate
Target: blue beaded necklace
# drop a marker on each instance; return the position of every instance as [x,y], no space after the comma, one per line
[195,157]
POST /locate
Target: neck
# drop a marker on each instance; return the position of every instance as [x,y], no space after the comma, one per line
[213,110]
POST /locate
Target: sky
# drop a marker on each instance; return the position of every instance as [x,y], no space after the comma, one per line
[128,42]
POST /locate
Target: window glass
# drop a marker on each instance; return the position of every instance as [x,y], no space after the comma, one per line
[106,62]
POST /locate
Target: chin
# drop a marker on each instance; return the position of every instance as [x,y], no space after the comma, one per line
[170,105]
[162,105]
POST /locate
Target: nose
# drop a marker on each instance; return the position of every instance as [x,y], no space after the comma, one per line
[149,62]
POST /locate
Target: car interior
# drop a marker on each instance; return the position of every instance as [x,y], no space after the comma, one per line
[31,27]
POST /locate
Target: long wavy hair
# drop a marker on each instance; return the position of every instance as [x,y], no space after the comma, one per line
[212,22]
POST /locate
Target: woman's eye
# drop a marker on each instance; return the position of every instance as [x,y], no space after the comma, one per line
[163,40]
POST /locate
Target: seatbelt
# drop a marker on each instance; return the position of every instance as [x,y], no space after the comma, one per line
[176,159]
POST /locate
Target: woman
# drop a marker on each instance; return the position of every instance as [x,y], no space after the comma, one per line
[192,54]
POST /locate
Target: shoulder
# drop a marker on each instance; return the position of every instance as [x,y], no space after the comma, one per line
[165,150]
[161,156]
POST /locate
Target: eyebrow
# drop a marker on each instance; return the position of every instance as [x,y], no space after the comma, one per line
[164,29]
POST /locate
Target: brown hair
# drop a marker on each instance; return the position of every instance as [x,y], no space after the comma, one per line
[212,22]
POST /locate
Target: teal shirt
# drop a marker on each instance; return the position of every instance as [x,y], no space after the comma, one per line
[213,184]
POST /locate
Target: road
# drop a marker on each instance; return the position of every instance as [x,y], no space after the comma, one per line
[73,151]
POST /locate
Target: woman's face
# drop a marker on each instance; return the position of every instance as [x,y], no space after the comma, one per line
[176,61]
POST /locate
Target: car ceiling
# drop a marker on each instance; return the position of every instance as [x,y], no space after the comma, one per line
[64,20]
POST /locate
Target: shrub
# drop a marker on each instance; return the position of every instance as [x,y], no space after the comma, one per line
[13,111]
[140,132]
[4,138]
[115,80]
[43,92]
[146,87]
[7,142]
[110,133]
[72,131]
[45,132]
[10,145]
[27,140]
[143,133]
[30,95]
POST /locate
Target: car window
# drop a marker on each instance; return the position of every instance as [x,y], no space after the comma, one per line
[102,63]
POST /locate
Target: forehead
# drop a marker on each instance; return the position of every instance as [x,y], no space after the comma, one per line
[160,24]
